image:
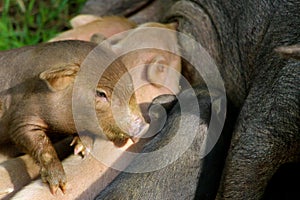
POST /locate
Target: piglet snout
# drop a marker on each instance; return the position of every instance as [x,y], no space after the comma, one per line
[138,128]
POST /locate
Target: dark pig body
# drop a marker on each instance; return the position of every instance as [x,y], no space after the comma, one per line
[254,44]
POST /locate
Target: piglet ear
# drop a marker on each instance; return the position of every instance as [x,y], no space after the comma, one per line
[60,78]
[80,20]
[97,38]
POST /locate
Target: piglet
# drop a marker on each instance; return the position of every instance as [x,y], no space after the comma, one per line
[36,87]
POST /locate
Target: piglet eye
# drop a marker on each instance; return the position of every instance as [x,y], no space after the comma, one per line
[101,94]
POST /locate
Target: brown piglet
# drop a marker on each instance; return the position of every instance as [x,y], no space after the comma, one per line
[36,87]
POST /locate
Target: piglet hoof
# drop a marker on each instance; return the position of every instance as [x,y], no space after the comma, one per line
[80,147]
[55,176]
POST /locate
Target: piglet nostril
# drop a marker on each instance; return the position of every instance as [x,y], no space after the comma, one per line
[137,120]
[139,134]
[138,127]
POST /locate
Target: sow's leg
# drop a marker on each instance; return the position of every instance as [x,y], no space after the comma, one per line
[113,7]
[140,11]
[266,135]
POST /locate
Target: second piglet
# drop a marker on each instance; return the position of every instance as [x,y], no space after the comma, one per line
[151,54]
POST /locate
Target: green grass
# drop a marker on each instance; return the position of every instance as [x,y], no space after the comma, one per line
[28,22]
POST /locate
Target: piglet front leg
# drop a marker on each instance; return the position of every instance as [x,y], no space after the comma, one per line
[83,145]
[32,139]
